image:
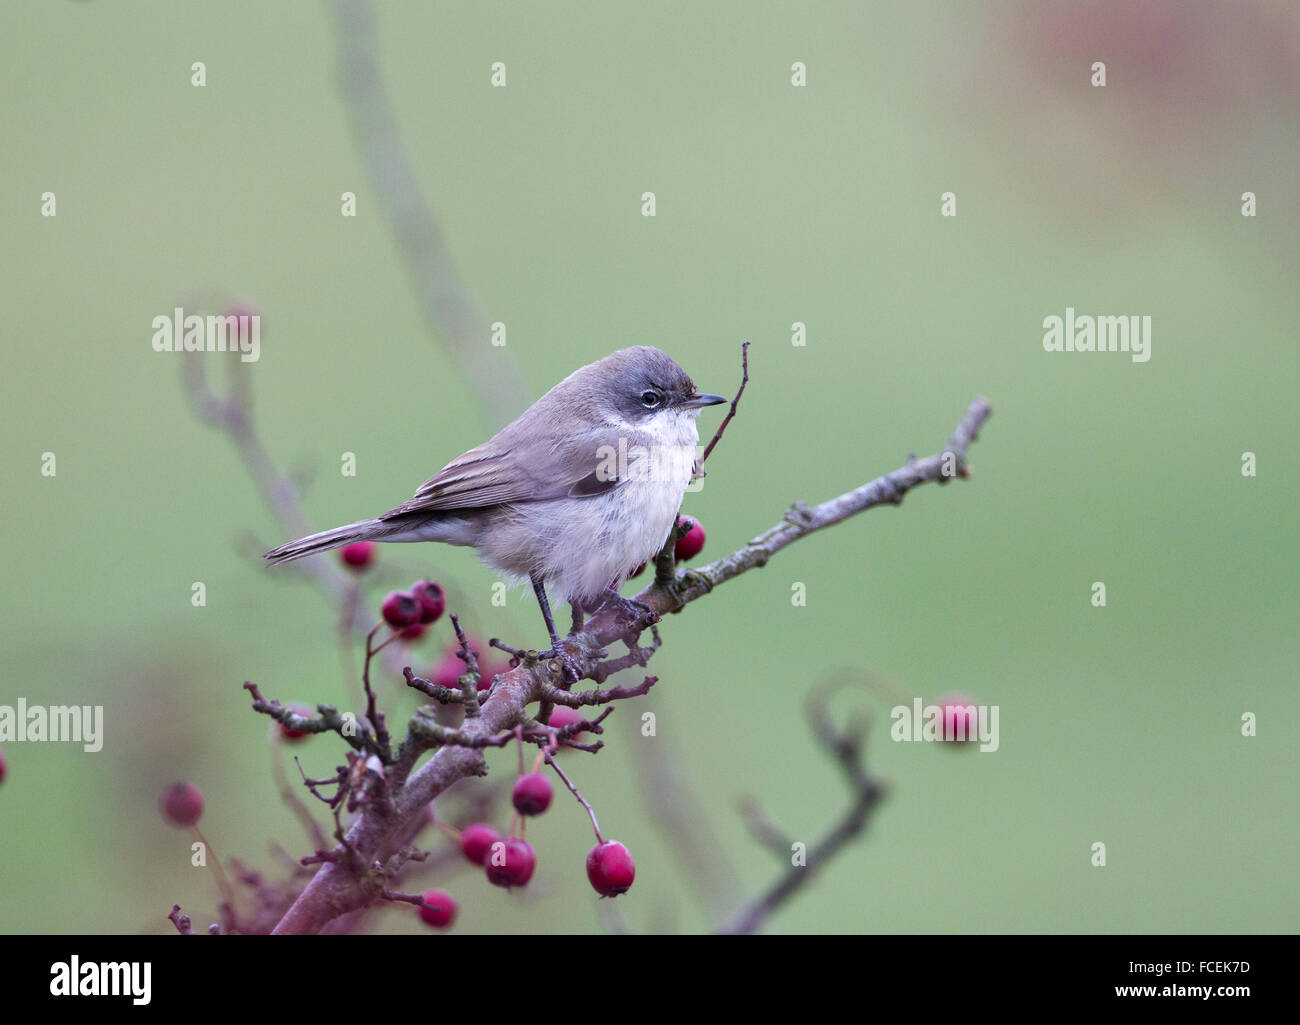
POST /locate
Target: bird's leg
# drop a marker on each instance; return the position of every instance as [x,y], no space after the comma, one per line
[539,589]
[570,665]
[576,606]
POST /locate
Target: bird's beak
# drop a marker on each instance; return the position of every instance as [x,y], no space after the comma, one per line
[697,401]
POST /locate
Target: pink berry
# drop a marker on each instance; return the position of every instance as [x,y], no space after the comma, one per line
[358,556]
[448,671]
[610,868]
[3,766]
[689,544]
[400,610]
[532,794]
[432,599]
[181,804]
[444,908]
[960,718]
[244,320]
[562,716]
[476,841]
[510,862]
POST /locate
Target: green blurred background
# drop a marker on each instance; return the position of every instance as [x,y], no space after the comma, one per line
[775,204]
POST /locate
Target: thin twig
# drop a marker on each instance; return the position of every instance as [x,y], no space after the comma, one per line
[181,921]
[845,749]
[744,380]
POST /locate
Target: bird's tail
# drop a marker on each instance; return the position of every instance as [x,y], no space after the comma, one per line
[362,530]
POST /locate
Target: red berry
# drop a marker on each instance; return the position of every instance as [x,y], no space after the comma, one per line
[413,633]
[2,766]
[288,732]
[486,673]
[400,610]
[432,599]
[448,671]
[510,862]
[181,804]
[445,906]
[610,868]
[358,556]
[476,841]
[532,794]
[961,718]
[689,544]
[562,716]
[637,572]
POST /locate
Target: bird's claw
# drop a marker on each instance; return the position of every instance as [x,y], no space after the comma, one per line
[572,671]
[636,614]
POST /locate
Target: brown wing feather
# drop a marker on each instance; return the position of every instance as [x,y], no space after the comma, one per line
[494,473]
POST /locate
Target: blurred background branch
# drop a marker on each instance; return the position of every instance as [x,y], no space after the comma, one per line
[442,294]
[845,748]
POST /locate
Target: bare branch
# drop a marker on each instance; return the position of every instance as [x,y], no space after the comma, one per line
[800,521]
[233,415]
[763,829]
[845,749]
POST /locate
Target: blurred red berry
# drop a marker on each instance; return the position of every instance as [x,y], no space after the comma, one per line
[637,572]
[447,672]
[413,633]
[400,609]
[488,669]
[610,868]
[476,841]
[445,906]
[961,718]
[432,599]
[532,794]
[449,668]
[358,556]
[510,862]
[288,732]
[181,804]
[689,544]
[3,766]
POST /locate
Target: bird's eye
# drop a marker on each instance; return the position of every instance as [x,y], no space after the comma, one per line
[650,399]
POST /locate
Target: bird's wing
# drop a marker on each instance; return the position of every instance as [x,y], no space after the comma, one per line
[513,467]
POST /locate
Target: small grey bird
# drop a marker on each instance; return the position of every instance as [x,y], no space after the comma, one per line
[574,495]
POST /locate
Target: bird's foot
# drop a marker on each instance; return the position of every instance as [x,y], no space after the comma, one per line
[572,670]
[634,616]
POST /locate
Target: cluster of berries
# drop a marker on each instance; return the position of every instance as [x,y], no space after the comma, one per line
[408,612]
[510,861]
[507,860]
